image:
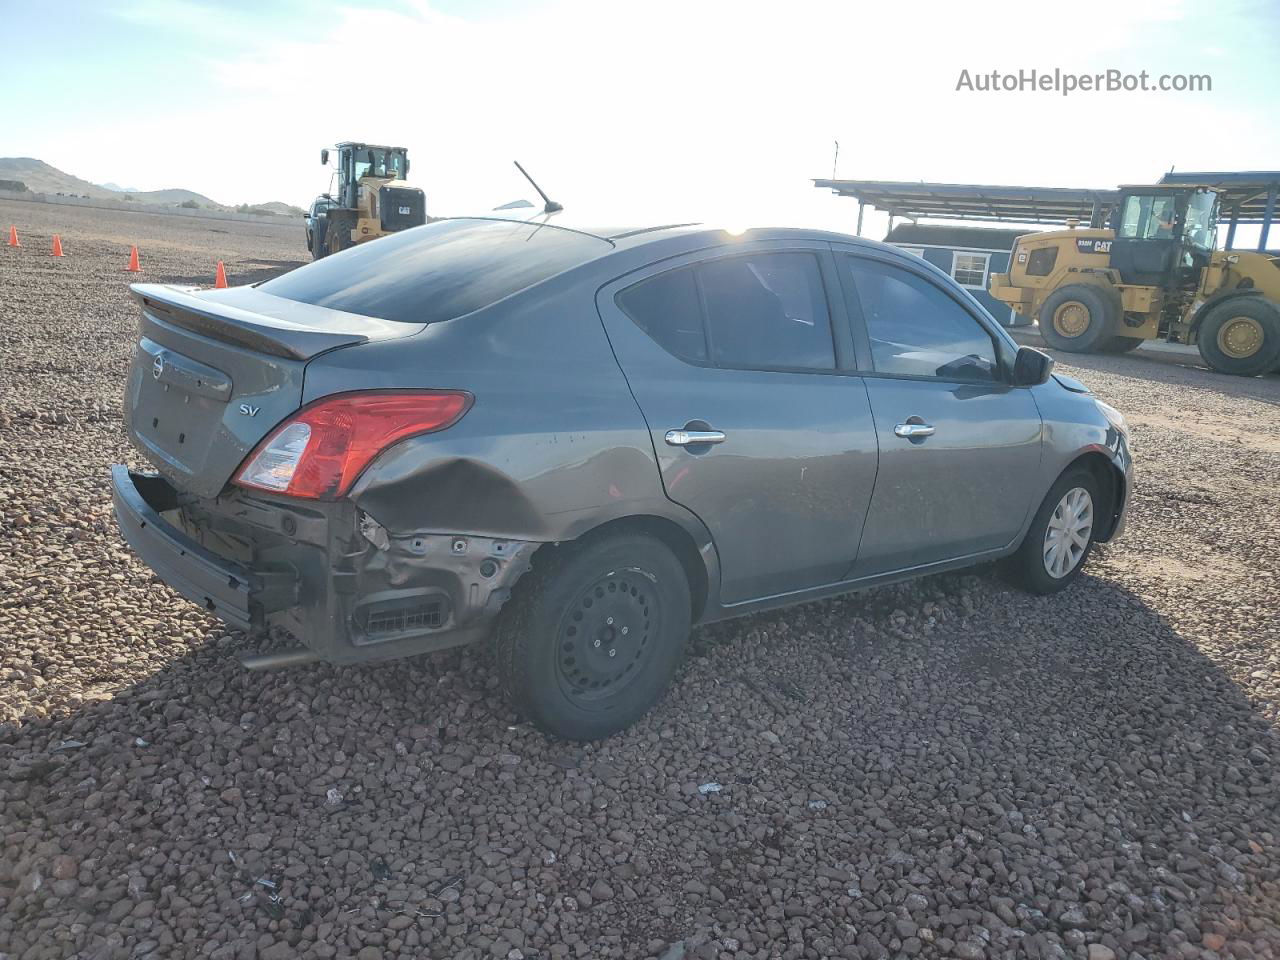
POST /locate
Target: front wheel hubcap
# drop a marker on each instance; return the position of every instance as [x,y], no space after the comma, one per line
[605,636]
[1240,337]
[1067,536]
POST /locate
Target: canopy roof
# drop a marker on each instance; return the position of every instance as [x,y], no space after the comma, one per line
[965,201]
[1245,192]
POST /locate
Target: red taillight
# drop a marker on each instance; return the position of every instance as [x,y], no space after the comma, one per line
[319,451]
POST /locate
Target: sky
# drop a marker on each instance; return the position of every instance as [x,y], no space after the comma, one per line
[632,113]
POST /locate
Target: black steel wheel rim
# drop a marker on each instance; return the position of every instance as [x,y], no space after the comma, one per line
[606,635]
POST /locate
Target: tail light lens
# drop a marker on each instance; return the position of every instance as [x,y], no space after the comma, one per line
[320,451]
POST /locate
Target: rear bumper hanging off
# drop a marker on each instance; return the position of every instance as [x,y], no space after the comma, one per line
[326,575]
[222,587]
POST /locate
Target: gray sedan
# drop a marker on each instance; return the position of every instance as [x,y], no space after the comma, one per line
[577,443]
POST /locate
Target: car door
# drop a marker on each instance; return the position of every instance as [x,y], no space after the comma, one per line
[756,427]
[959,447]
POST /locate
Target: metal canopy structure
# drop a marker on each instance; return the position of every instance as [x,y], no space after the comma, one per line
[975,202]
[1247,198]
[1246,193]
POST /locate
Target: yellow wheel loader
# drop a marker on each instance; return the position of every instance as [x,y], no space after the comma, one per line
[371,199]
[1155,273]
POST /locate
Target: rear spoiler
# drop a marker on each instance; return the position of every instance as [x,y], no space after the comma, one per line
[261,322]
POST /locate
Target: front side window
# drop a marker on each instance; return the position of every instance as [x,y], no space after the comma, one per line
[916,329]
[761,311]
[1202,220]
[970,269]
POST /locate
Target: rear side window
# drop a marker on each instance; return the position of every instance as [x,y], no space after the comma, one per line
[767,310]
[438,271]
[666,307]
[761,311]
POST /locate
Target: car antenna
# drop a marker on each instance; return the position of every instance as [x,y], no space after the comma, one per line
[551,205]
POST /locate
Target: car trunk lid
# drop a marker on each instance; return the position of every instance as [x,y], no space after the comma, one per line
[214,371]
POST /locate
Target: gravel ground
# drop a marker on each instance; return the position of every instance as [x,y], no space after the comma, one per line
[950,768]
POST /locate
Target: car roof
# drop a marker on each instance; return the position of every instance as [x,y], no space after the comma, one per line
[613,235]
[630,237]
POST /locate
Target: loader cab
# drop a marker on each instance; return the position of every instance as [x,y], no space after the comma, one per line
[356,161]
[1163,235]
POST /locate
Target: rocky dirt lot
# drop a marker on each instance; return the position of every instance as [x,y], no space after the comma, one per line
[949,769]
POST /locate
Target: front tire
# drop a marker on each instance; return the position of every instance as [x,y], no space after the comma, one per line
[1241,337]
[1061,534]
[593,635]
[316,243]
[1080,318]
[337,234]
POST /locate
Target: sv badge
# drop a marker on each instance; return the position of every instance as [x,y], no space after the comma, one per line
[249,410]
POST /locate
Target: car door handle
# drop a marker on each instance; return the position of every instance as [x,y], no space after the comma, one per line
[913,431]
[686,438]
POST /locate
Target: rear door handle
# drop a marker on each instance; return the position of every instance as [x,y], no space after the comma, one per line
[914,431]
[686,438]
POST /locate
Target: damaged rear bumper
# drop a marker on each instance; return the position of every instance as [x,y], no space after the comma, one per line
[326,576]
[220,586]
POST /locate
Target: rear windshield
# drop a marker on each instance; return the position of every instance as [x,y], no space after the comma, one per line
[438,271]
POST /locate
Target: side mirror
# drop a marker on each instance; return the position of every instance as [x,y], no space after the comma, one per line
[1031,367]
[324,156]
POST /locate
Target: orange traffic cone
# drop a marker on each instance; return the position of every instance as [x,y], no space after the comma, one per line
[133,260]
[13,237]
[220,280]
[57,245]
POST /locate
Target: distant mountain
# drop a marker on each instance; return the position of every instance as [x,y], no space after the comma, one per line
[40,177]
[176,196]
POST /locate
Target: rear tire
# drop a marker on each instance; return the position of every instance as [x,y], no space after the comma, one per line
[1058,543]
[1121,345]
[625,593]
[1241,337]
[1080,318]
